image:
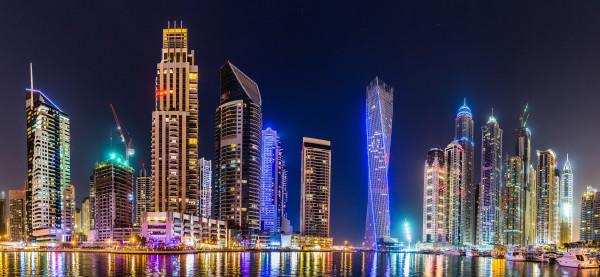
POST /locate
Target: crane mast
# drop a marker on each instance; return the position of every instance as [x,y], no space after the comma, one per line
[128,150]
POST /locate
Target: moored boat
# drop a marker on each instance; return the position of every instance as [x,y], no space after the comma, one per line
[516,254]
[473,252]
[454,252]
[577,258]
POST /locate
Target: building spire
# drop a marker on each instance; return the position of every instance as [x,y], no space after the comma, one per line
[31,78]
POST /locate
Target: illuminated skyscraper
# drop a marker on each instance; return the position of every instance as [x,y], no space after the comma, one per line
[455,163]
[86,220]
[556,206]
[434,198]
[513,196]
[589,220]
[379,112]
[114,184]
[464,136]
[490,190]
[315,187]
[545,197]
[49,189]
[205,188]
[273,194]
[566,204]
[175,127]
[16,215]
[238,151]
[523,151]
[143,195]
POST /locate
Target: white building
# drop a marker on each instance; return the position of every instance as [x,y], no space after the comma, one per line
[173,228]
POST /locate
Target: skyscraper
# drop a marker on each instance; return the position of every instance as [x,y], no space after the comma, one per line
[455,163]
[48,169]
[315,187]
[513,223]
[3,219]
[434,198]
[523,151]
[77,221]
[205,188]
[16,215]
[464,136]
[238,151]
[556,206]
[490,191]
[92,184]
[86,220]
[566,204]
[379,114]
[175,127]
[545,197]
[273,194]
[143,195]
[114,184]
[589,221]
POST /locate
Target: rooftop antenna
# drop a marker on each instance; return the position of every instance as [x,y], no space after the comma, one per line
[31,78]
[465,101]
[492,112]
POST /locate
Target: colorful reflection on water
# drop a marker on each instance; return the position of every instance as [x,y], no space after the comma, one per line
[270,264]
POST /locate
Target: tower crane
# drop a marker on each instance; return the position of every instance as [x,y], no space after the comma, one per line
[128,150]
[524,116]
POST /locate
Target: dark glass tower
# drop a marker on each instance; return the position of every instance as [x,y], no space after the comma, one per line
[238,151]
[464,136]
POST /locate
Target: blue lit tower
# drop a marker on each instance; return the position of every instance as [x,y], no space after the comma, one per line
[489,225]
[273,191]
[464,136]
[380,99]
[566,204]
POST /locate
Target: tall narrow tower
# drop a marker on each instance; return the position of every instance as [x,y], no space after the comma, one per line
[566,204]
[513,201]
[545,198]
[238,151]
[175,127]
[380,110]
[315,187]
[490,190]
[523,151]
[273,194]
[455,163]
[434,198]
[463,134]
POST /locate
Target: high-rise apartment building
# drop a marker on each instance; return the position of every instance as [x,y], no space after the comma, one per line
[205,188]
[513,203]
[48,170]
[523,151]
[455,163]
[238,151]
[463,134]
[556,206]
[86,219]
[16,215]
[434,198]
[92,184]
[531,208]
[566,204]
[3,219]
[545,197]
[114,184]
[315,187]
[77,221]
[490,191]
[143,195]
[589,220]
[273,191]
[379,114]
[175,127]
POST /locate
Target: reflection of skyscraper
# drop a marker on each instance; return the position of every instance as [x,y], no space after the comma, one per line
[315,187]
[273,207]
[513,223]
[49,174]
[175,127]
[545,197]
[566,204]
[379,108]
[455,162]
[16,217]
[464,136]
[434,198]
[489,220]
[238,151]
[205,184]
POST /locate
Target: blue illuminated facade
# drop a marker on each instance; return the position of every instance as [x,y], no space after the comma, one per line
[380,99]
[273,189]
[463,134]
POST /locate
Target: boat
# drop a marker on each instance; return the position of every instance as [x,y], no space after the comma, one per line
[577,258]
[485,254]
[454,252]
[547,256]
[497,254]
[473,252]
[516,254]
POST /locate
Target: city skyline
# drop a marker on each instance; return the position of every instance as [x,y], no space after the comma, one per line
[482,90]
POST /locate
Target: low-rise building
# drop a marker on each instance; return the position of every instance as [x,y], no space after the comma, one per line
[174,228]
[307,242]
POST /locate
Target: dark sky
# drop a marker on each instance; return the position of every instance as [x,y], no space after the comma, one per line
[312,62]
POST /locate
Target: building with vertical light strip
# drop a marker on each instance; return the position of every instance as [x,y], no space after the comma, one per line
[315,187]
[556,205]
[16,215]
[175,126]
[379,114]
[589,220]
[523,151]
[49,190]
[455,163]
[545,197]
[463,134]
[566,204]
[490,191]
[238,152]
[205,201]
[143,195]
[86,219]
[513,203]
[434,198]
[273,195]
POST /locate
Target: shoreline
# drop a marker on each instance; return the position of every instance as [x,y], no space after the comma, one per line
[111,251]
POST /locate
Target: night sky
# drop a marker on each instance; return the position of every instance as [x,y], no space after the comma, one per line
[312,62]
